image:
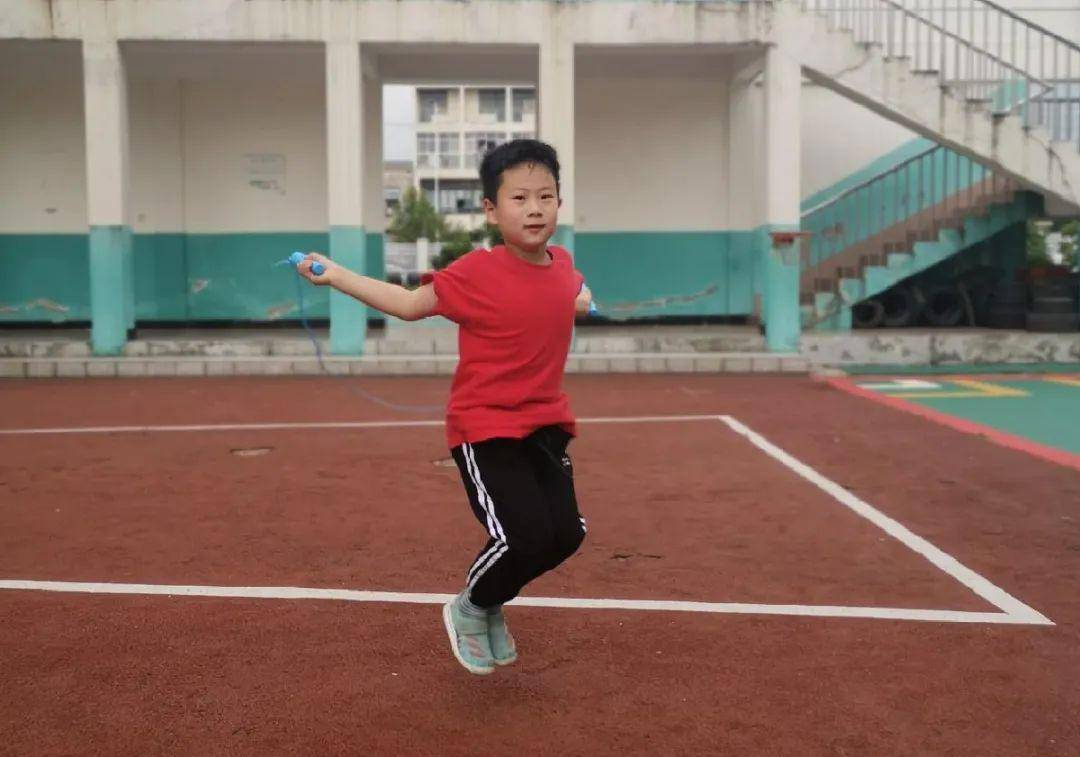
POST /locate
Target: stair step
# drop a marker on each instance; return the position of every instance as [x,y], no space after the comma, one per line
[951,237]
[878,278]
[853,289]
[899,260]
[929,253]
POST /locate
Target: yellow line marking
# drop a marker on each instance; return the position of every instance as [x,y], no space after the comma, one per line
[979,389]
[1066,380]
[994,390]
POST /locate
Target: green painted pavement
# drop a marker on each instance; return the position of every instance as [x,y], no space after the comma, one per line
[1049,415]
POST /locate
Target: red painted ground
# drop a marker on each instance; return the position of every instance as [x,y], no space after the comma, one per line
[675,511]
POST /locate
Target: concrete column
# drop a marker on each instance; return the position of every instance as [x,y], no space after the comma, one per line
[112,265]
[555,118]
[782,160]
[346,133]
[372,168]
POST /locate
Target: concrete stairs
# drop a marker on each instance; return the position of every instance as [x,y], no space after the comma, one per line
[865,61]
[831,309]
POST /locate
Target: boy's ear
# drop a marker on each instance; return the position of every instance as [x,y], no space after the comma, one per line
[489,211]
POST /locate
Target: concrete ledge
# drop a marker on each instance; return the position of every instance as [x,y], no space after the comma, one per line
[387,365]
[946,347]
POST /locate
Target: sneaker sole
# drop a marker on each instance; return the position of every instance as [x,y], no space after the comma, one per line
[506,660]
[448,622]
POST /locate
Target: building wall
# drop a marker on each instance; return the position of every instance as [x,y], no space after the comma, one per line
[652,228]
[228,155]
[228,175]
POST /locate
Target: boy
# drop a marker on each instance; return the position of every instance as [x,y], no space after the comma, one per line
[508,422]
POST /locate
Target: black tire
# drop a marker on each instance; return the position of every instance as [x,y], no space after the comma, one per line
[1009,293]
[868,314]
[1055,288]
[1006,319]
[1053,305]
[1053,323]
[900,307]
[943,307]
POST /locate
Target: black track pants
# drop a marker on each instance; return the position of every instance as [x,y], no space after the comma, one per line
[522,492]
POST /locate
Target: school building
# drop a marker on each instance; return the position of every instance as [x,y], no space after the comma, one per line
[158,157]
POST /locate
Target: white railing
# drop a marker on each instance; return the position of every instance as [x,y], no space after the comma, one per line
[980,51]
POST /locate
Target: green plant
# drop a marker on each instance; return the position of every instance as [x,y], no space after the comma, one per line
[459,241]
[414,218]
[1037,255]
[1070,239]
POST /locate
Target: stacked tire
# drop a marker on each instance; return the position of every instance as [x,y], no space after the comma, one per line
[1007,306]
[1054,307]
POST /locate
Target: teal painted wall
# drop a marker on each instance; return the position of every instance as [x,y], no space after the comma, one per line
[44,277]
[650,274]
[178,277]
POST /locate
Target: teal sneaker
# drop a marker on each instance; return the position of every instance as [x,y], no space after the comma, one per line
[468,640]
[503,648]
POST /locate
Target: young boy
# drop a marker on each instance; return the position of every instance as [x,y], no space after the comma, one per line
[508,422]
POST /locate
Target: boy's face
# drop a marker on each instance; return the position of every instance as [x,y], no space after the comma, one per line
[527,208]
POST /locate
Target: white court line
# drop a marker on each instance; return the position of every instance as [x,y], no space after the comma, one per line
[316,425]
[1014,612]
[996,596]
[350,595]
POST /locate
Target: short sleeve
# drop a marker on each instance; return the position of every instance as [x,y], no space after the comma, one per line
[456,288]
[564,254]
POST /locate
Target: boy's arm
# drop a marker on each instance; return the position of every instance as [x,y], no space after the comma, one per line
[408,305]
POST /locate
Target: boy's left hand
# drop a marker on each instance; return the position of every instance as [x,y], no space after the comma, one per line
[584,299]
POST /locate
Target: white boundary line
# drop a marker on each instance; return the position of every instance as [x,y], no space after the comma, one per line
[1010,605]
[350,595]
[1013,611]
[315,425]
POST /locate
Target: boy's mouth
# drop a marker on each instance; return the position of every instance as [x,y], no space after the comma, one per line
[535,226]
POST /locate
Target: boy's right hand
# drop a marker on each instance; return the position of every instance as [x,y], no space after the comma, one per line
[304,269]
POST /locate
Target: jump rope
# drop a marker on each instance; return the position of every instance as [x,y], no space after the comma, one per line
[318,269]
[294,260]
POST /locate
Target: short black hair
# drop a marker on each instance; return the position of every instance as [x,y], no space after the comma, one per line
[511,154]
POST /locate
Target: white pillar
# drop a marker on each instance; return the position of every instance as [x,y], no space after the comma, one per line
[345,136]
[783,138]
[555,106]
[112,274]
[782,160]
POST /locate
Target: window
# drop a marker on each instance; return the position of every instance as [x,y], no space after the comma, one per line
[450,150]
[524,104]
[425,150]
[492,105]
[477,145]
[459,200]
[432,103]
[523,135]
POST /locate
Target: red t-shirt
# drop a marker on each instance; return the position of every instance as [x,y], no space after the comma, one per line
[516,320]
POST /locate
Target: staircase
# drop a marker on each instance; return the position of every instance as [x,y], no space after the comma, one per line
[967,74]
[897,224]
[998,94]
